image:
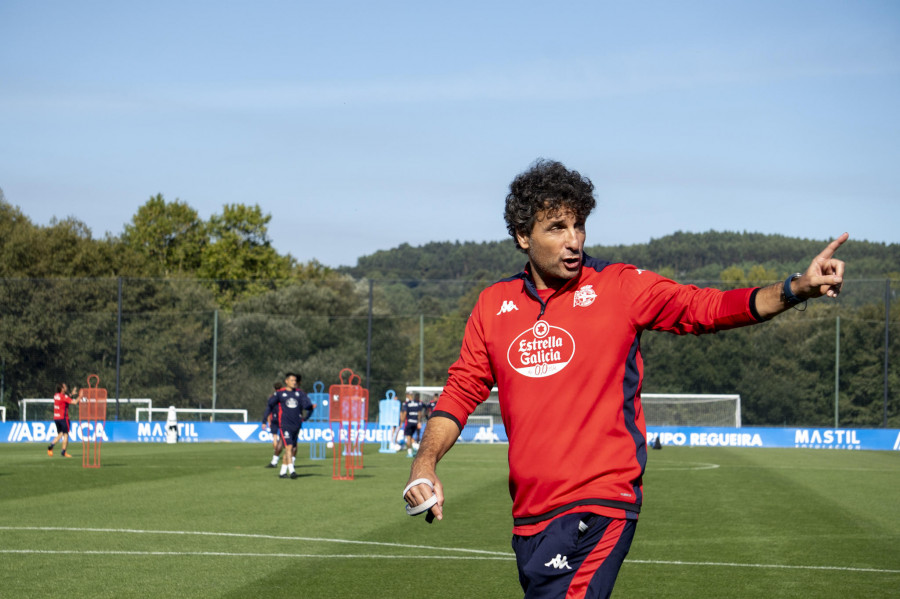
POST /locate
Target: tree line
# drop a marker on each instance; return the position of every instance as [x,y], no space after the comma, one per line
[189,311]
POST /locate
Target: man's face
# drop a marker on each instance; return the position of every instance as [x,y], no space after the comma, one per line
[290,382]
[554,247]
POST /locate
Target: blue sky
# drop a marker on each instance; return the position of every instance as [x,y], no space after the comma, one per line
[360,126]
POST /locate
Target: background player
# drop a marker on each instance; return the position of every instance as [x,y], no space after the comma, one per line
[61,403]
[270,421]
[412,412]
[429,407]
[290,403]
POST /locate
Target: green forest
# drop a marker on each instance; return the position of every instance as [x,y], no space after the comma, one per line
[202,313]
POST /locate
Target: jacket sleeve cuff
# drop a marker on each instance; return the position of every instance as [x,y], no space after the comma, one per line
[737,309]
[442,414]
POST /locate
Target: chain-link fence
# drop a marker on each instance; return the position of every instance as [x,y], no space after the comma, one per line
[224,344]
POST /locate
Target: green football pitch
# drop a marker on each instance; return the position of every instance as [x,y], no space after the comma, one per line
[208,520]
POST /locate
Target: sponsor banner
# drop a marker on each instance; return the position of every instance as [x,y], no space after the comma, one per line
[484,434]
[814,438]
[188,432]
[197,432]
[44,432]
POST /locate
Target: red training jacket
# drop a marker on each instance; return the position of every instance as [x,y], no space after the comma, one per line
[61,403]
[569,373]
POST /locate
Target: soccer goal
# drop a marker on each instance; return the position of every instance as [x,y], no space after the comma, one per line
[674,409]
[489,407]
[660,409]
[231,415]
[479,429]
[480,425]
[35,408]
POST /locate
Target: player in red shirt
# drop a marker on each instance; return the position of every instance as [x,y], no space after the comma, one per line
[569,327]
[61,403]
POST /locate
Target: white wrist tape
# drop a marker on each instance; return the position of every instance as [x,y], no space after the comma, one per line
[422,507]
[418,481]
[427,504]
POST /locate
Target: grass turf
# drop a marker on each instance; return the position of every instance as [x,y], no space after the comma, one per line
[207,520]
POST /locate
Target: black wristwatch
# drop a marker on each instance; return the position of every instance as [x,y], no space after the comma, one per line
[787,295]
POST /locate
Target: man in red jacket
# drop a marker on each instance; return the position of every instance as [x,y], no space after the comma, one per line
[569,327]
[61,403]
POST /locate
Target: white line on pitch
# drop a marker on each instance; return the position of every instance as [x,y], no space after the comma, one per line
[684,466]
[781,566]
[251,536]
[228,554]
[427,557]
[482,554]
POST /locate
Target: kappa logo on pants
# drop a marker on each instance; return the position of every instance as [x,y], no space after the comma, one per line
[559,562]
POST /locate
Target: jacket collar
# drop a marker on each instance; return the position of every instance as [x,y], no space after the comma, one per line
[531,287]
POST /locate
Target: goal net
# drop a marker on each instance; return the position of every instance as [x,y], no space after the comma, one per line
[660,409]
[479,429]
[672,409]
[197,414]
[480,425]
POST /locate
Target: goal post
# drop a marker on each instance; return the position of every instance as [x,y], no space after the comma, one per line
[682,409]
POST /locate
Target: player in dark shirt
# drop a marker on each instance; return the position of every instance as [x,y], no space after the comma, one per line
[429,407]
[412,413]
[270,421]
[290,403]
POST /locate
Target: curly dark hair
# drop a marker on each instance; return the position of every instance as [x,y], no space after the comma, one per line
[546,185]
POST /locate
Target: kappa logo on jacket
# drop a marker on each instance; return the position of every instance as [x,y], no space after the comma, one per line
[542,350]
[508,306]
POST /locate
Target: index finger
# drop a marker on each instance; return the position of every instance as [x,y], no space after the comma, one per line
[832,247]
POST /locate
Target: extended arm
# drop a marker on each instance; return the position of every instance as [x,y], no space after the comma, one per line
[309,406]
[824,276]
[440,435]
